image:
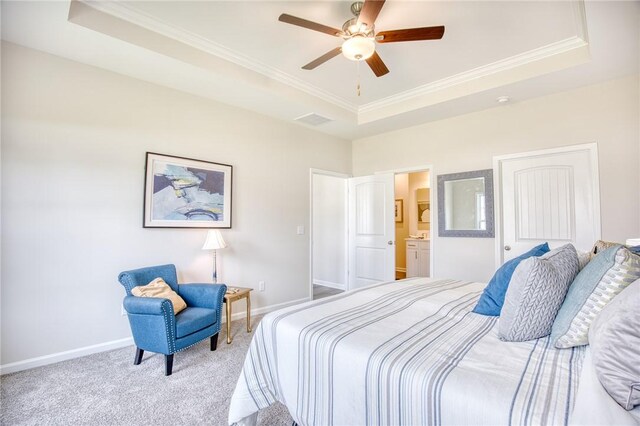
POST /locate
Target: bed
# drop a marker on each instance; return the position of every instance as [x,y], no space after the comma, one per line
[409,352]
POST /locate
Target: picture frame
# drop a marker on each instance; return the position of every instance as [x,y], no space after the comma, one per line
[182,192]
[399,211]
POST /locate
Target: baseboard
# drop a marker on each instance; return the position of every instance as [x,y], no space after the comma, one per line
[271,308]
[242,313]
[401,270]
[63,356]
[40,361]
[329,284]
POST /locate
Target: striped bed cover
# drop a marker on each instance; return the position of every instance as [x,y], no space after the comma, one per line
[409,352]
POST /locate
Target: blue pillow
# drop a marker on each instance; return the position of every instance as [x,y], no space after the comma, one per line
[492,299]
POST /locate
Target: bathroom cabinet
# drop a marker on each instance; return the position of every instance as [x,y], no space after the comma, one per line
[418,257]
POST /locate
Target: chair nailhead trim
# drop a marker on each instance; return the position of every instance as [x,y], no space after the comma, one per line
[169,326]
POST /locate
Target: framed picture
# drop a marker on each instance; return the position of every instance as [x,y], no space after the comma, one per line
[424,212]
[399,211]
[186,193]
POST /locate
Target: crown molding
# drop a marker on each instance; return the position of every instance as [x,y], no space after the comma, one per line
[433,92]
[134,16]
[512,62]
[580,40]
[580,19]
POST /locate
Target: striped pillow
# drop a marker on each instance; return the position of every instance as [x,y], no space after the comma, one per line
[601,280]
[600,246]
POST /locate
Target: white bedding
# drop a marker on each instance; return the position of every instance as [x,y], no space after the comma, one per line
[408,352]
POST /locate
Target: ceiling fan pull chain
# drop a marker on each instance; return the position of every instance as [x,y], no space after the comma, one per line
[358,80]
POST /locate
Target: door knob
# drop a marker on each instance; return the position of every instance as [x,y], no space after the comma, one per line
[390,243]
[507,248]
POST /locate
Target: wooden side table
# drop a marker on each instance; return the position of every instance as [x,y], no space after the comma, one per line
[232,296]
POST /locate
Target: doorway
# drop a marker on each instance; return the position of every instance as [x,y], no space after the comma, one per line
[362,227]
[328,263]
[413,224]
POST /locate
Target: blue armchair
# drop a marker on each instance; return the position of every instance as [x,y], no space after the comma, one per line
[156,328]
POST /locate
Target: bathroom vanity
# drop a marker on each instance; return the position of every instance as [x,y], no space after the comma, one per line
[418,257]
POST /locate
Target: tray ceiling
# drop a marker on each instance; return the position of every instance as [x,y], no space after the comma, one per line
[239,53]
[477,34]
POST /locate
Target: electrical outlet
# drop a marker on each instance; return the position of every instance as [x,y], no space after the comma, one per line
[261,285]
[300,230]
[122,311]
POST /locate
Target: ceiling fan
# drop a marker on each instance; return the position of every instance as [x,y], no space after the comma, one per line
[360,36]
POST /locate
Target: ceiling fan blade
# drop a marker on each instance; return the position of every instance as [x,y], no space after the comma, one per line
[411,34]
[293,20]
[377,66]
[322,59]
[370,11]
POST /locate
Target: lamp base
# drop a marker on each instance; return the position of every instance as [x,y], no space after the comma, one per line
[214,276]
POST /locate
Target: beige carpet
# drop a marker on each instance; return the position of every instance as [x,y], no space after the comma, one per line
[107,389]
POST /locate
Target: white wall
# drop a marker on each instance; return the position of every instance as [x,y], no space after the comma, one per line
[72,160]
[606,113]
[73,147]
[329,231]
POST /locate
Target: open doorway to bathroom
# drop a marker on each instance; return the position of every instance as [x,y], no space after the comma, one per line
[413,224]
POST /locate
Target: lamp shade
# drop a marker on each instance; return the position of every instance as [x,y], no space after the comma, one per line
[214,240]
[358,48]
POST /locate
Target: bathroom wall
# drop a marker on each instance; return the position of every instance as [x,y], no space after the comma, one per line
[402,228]
[406,186]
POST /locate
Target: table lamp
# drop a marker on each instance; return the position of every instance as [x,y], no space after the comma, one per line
[214,242]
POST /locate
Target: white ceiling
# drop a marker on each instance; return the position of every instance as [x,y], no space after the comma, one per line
[239,53]
[476,34]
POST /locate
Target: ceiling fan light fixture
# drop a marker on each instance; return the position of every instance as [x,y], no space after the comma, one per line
[358,48]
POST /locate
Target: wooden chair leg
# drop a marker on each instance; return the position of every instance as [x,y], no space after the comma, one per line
[168,364]
[214,342]
[138,359]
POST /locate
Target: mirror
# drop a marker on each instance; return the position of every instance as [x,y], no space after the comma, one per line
[424,208]
[465,204]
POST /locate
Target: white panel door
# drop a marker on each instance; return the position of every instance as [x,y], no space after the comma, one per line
[550,195]
[371,230]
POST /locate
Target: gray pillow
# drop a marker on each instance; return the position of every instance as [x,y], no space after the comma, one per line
[606,275]
[534,296]
[614,337]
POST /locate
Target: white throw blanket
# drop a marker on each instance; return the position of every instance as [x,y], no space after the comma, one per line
[402,353]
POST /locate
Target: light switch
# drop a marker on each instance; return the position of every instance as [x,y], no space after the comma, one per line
[300,230]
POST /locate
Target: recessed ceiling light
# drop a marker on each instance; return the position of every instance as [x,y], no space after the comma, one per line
[503,99]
